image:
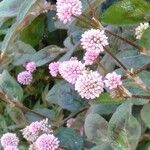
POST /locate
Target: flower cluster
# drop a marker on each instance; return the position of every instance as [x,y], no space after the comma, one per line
[9,141]
[112,80]
[67,9]
[140,29]
[25,77]
[40,135]
[89,85]
[54,68]
[93,41]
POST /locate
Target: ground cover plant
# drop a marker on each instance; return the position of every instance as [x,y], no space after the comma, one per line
[74,75]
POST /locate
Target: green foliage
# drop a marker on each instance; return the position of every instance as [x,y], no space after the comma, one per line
[66,97]
[126,12]
[9,85]
[34,32]
[145,114]
[96,128]
[69,139]
[111,121]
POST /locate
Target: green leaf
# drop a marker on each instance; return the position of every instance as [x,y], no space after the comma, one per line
[50,114]
[17,115]
[126,12]
[69,139]
[9,85]
[34,32]
[106,98]
[130,58]
[24,18]
[124,128]
[145,114]
[144,41]
[102,109]
[65,96]
[104,146]
[119,118]
[96,128]
[9,8]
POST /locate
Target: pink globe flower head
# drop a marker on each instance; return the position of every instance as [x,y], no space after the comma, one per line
[90,57]
[11,148]
[67,9]
[32,131]
[94,40]
[70,70]
[47,142]
[112,80]
[89,85]
[54,68]
[31,66]
[9,139]
[25,78]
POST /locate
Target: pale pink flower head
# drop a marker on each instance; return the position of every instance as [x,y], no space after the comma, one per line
[31,66]
[70,70]
[25,78]
[90,57]
[35,129]
[11,148]
[47,142]
[94,40]
[9,139]
[112,80]
[89,85]
[67,9]
[70,122]
[54,68]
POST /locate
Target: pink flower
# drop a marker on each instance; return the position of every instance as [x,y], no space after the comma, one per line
[32,131]
[31,66]
[94,40]
[90,57]
[70,70]
[24,78]
[54,68]
[89,85]
[11,148]
[70,122]
[67,9]
[112,80]
[9,139]
[47,142]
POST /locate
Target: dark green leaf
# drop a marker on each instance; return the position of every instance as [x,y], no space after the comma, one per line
[126,12]
[69,139]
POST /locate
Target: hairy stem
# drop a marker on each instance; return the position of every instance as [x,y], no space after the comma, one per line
[116,59]
[125,40]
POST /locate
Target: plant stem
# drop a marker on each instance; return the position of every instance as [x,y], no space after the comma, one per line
[8,100]
[116,59]
[141,96]
[125,40]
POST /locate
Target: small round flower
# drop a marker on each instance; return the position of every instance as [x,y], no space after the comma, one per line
[47,142]
[94,40]
[11,148]
[112,80]
[90,57]
[70,70]
[31,66]
[54,68]
[140,29]
[35,127]
[25,78]
[89,85]
[67,9]
[9,139]
[70,122]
